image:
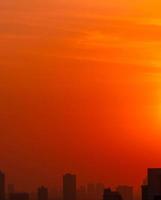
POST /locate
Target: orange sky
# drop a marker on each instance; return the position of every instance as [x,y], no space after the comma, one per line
[80,86]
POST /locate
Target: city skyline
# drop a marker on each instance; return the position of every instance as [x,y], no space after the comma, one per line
[42,188]
[150,190]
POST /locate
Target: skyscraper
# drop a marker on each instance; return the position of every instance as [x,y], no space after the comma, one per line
[154,183]
[42,193]
[152,190]
[144,192]
[2,186]
[69,187]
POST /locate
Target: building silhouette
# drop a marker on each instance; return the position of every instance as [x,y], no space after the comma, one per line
[2,186]
[126,192]
[144,192]
[42,193]
[19,196]
[69,187]
[111,195]
[154,182]
[152,190]
[90,192]
[157,197]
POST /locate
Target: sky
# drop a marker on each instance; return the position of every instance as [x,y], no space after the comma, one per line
[80,85]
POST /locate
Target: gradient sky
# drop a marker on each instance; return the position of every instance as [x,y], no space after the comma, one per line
[80,85]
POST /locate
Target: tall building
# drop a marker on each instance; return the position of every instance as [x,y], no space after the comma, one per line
[42,193]
[2,186]
[152,190]
[154,183]
[19,196]
[111,195]
[69,187]
[126,192]
[144,192]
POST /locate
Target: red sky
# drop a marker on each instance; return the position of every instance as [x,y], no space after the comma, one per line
[80,90]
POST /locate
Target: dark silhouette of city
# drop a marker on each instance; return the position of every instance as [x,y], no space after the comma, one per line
[111,195]
[150,190]
[69,187]
[42,193]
